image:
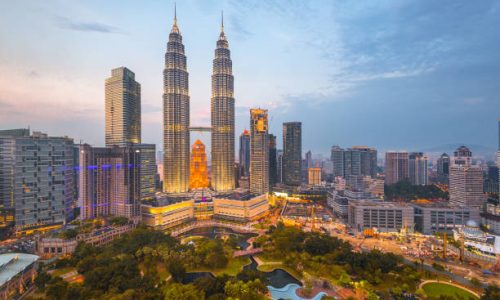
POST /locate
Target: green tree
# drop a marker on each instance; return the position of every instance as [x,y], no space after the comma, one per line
[492,292]
[183,292]
[252,290]
[56,289]
[177,270]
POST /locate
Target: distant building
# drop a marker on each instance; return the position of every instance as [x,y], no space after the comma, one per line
[396,167]
[443,168]
[123,108]
[314,176]
[379,215]
[292,153]
[490,218]
[37,174]
[279,165]
[199,170]
[491,181]
[337,158]
[360,160]
[338,200]
[259,151]
[273,163]
[466,180]
[109,182]
[308,160]
[417,168]
[244,156]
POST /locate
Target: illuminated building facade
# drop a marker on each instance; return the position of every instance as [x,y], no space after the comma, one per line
[396,166]
[122,108]
[259,151]
[168,215]
[109,182]
[36,178]
[199,172]
[222,116]
[244,156]
[176,142]
[314,176]
[292,153]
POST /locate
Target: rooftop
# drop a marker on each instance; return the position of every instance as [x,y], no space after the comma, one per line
[12,264]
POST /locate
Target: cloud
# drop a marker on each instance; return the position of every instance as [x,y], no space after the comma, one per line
[66,23]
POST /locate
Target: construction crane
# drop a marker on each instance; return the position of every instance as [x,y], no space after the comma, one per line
[313,227]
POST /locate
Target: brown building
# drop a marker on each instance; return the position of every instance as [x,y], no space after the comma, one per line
[396,166]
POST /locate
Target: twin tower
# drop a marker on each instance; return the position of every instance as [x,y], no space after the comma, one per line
[176,128]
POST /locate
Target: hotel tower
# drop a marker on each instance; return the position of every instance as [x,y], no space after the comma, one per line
[222,108]
[175,115]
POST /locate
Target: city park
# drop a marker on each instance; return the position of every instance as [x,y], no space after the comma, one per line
[291,253]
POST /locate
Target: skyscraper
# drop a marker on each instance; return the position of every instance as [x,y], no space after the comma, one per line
[337,158]
[123,108]
[222,107]
[308,160]
[273,164]
[360,161]
[443,168]
[396,166]
[292,153]
[466,180]
[279,165]
[175,115]
[148,169]
[199,172]
[36,178]
[417,168]
[259,151]
[244,156]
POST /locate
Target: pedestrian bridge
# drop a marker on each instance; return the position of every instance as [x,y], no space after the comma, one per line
[211,223]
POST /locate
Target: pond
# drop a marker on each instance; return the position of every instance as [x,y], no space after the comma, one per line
[278,278]
[289,291]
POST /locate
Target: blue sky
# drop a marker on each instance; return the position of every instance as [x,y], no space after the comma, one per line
[390,74]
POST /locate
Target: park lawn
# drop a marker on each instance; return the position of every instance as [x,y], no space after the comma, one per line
[234,266]
[271,267]
[435,289]
[62,271]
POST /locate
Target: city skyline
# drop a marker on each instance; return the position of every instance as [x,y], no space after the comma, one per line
[468,95]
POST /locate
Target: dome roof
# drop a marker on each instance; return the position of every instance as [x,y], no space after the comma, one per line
[471,223]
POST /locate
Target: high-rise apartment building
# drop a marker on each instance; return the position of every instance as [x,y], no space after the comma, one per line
[337,158]
[360,161]
[176,144]
[148,169]
[279,165]
[222,116]
[36,178]
[308,160]
[396,166]
[122,108]
[109,182]
[466,180]
[199,171]
[417,168]
[259,151]
[292,153]
[443,168]
[244,156]
[273,163]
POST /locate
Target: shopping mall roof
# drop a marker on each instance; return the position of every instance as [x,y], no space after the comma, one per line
[12,264]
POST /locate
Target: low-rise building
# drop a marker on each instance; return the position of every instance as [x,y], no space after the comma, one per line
[165,215]
[433,217]
[241,207]
[17,272]
[339,200]
[490,218]
[48,246]
[379,215]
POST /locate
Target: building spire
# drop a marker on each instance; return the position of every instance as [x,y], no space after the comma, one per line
[175,13]
[174,26]
[222,21]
